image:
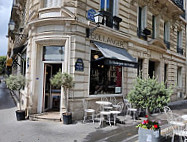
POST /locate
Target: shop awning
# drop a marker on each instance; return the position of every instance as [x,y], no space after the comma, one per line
[116,56]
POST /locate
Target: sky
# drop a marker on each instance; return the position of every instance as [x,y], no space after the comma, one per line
[5,10]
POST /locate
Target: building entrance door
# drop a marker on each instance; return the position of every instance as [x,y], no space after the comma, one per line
[47,87]
[51,96]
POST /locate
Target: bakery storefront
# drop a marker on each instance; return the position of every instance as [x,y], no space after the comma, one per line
[108,60]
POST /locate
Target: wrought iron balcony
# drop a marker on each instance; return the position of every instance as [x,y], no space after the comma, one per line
[167,44]
[179,3]
[179,50]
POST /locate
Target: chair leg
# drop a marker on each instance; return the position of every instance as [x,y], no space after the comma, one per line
[85,116]
[93,117]
[172,140]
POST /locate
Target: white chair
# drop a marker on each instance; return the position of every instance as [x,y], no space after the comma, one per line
[130,109]
[102,117]
[118,110]
[177,124]
[88,112]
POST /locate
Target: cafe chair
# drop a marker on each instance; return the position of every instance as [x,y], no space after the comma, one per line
[88,111]
[130,109]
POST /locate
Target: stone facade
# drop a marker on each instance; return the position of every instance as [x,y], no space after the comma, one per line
[64,23]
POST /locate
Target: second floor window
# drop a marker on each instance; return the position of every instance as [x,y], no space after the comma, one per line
[167,34]
[52,3]
[179,42]
[109,9]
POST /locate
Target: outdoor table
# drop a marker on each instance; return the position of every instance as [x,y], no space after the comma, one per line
[103,103]
[115,113]
[102,113]
[184,117]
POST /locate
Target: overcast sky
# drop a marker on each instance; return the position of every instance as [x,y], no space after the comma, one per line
[5,9]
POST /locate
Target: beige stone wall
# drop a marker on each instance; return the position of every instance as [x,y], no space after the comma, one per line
[66,25]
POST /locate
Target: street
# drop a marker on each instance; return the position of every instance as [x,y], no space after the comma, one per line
[12,130]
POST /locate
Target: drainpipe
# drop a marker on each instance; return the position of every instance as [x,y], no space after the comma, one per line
[186,48]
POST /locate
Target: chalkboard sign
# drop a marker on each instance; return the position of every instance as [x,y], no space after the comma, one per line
[79,65]
[90,15]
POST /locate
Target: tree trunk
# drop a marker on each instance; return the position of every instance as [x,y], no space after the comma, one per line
[19,100]
[147,112]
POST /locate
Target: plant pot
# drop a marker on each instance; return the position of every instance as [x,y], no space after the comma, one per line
[67,118]
[20,115]
[147,135]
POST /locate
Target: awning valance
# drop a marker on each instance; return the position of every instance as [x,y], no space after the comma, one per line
[115,56]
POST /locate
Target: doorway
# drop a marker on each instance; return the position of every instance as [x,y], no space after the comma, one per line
[51,96]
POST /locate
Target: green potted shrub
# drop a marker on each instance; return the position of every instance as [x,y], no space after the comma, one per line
[149,94]
[149,131]
[16,83]
[65,81]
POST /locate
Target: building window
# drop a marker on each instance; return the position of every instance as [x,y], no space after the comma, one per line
[165,74]
[104,79]
[23,63]
[167,34]
[52,3]
[140,67]
[142,21]
[53,53]
[179,42]
[155,26]
[109,9]
[179,77]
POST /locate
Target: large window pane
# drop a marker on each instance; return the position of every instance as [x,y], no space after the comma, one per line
[53,53]
[102,5]
[104,79]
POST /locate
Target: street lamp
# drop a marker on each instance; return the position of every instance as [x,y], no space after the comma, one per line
[98,20]
[11,26]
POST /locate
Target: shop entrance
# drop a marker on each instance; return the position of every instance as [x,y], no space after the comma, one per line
[51,96]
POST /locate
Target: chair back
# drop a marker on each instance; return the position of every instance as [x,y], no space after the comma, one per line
[113,100]
[85,104]
[104,99]
[120,106]
[167,109]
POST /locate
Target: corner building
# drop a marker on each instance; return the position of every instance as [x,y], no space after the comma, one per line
[135,38]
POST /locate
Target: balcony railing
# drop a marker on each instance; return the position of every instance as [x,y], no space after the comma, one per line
[167,44]
[179,3]
[184,14]
[179,50]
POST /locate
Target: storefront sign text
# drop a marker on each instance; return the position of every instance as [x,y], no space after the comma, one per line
[108,40]
[79,65]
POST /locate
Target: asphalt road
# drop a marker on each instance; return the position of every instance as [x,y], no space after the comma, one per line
[12,130]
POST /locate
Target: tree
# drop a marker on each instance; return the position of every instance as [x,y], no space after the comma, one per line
[2,64]
[16,83]
[149,94]
[66,81]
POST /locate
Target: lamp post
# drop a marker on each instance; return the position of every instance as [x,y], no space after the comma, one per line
[98,20]
[11,26]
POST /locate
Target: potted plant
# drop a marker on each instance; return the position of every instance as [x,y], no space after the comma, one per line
[149,131]
[65,81]
[149,94]
[16,83]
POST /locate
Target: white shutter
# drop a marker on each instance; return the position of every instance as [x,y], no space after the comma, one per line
[144,17]
[168,32]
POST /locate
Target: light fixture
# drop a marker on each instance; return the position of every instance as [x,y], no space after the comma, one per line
[98,20]
[96,57]
[11,26]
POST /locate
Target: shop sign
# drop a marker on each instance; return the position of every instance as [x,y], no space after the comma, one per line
[120,63]
[108,40]
[79,65]
[90,15]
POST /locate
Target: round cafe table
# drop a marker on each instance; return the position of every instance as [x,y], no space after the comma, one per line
[103,103]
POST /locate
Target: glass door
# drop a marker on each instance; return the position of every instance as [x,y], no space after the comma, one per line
[47,87]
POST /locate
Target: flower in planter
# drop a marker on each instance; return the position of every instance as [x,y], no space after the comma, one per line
[149,124]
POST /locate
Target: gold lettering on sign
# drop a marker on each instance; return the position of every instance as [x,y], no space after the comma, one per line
[108,40]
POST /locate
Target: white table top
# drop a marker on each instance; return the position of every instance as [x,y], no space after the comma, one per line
[177,123]
[184,117]
[103,103]
[115,112]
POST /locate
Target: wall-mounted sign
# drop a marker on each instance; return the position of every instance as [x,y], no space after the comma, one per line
[90,15]
[79,65]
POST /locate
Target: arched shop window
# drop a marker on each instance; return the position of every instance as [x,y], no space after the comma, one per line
[104,79]
[53,53]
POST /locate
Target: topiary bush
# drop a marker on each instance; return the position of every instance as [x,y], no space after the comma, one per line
[149,94]
[66,81]
[16,83]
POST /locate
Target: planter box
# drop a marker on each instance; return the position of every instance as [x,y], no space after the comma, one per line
[147,135]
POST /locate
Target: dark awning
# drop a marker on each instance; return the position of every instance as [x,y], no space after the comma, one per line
[18,49]
[116,56]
